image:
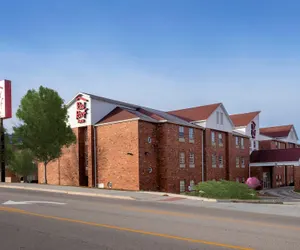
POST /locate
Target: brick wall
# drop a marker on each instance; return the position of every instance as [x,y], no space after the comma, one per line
[62,171]
[297,178]
[278,176]
[290,174]
[148,156]
[215,173]
[240,173]
[118,155]
[169,148]
[267,145]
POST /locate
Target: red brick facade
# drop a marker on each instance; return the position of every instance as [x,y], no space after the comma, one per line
[297,178]
[169,148]
[273,144]
[229,151]
[279,175]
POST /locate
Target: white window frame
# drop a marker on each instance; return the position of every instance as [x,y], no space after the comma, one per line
[237,142]
[182,186]
[222,118]
[191,134]
[242,143]
[237,162]
[221,161]
[213,138]
[214,160]
[243,162]
[182,159]
[220,138]
[192,184]
[181,132]
[192,159]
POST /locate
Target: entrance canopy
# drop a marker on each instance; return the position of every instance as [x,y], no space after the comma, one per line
[275,157]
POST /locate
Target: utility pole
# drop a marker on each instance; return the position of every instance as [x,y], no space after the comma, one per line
[2,151]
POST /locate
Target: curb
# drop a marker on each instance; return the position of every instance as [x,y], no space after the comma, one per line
[182,196]
[70,192]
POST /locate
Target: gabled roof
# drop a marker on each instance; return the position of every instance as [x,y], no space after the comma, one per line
[125,111]
[277,131]
[199,113]
[121,114]
[275,155]
[242,120]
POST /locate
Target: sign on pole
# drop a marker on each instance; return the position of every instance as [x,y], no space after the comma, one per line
[5,113]
[5,99]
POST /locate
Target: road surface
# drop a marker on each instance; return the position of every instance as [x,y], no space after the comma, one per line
[77,222]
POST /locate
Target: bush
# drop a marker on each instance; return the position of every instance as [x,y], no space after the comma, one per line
[224,190]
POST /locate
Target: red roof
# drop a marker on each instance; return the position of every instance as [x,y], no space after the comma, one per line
[118,114]
[240,120]
[275,155]
[196,113]
[278,131]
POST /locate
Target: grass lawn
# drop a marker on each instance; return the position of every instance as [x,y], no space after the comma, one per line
[224,190]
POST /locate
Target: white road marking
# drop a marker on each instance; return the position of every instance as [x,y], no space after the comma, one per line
[31,202]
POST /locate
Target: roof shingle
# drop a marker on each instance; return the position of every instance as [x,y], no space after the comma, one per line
[278,131]
[240,120]
[199,113]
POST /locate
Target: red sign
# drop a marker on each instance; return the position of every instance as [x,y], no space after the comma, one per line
[5,99]
[81,109]
[253,129]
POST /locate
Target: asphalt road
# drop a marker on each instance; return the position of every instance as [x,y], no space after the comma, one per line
[96,223]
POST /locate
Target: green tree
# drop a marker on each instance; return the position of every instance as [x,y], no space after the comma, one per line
[44,129]
[22,163]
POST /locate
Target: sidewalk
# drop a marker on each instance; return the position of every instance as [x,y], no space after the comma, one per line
[105,193]
[125,195]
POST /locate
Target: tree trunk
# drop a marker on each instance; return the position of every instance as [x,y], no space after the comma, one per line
[45,172]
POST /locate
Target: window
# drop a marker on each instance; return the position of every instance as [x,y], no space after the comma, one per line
[278,145]
[182,159]
[237,144]
[222,117]
[181,132]
[192,184]
[243,162]
[237,162]
[254,144]
[218,117]
[220,161]
[214,160]
[191,134]
[220,140]
[192,160]
[242,143]
[213,139]
[182,186]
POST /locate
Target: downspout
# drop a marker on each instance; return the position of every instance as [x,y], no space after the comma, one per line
[202,158]
[95,156]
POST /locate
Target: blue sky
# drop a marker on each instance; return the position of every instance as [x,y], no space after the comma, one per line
[165,54]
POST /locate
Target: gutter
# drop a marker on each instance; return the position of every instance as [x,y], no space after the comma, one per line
[202,158]
[95,156]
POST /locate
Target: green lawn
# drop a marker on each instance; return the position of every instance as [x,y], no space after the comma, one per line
[224,190]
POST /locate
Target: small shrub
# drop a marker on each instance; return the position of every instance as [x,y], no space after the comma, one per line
[224,190]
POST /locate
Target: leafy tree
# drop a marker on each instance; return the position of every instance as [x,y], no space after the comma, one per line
[44,129]
[22,163]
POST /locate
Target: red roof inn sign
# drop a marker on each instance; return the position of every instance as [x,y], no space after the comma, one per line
[81,109]
[5,99]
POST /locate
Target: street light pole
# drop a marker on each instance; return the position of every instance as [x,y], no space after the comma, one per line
[2,151]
